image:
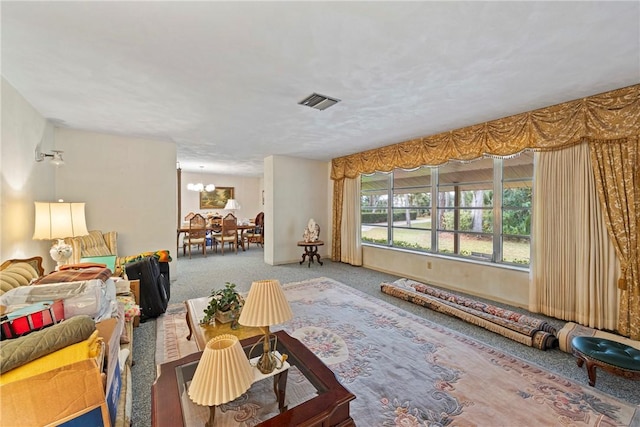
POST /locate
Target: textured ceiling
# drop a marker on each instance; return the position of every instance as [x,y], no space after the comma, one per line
[223,79]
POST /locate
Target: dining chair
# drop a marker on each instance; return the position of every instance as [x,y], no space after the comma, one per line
[215,230]
[229,233]
[257,234]
[197,233]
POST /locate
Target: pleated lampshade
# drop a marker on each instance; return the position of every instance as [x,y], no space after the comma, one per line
[266,305]
[222,374]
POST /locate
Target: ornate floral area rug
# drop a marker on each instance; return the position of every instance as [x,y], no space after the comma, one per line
[407,371]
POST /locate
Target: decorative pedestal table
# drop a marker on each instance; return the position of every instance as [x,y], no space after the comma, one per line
[311,250]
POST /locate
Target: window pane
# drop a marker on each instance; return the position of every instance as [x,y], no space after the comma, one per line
[471,195]
[516,208]
[476,220]
[412,238]
[516,250]
[373,216]
[518,168]
[517,194]
[445,242]
[420,177]
[374,234]
[476,246]
[516,222]
[457,172]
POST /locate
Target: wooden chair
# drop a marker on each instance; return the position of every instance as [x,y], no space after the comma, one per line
[215,231]
[257,234]
[197,234]
[229,232]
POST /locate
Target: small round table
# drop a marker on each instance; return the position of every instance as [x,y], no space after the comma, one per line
[311,250]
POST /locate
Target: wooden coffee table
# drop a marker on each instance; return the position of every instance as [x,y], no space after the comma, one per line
[330,407]
[203,333]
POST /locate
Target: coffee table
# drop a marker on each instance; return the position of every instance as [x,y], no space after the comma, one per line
[203,333]
[330,406]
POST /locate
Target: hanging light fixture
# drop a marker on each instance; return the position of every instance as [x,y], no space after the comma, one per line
[200,187]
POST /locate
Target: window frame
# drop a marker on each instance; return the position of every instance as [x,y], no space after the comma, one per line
[497,234]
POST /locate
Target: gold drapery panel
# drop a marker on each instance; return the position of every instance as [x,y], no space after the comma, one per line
[336,246]
[611,115]
[574,269]
[617,172]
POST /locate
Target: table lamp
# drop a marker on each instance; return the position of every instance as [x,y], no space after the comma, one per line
[232,205]
[57,220]
[265,305]
[223,373]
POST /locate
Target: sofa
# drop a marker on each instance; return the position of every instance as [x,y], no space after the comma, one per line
[107,343]
[99,244]
[19,272]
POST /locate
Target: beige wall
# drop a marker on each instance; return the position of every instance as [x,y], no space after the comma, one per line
[128,184]
[295,190]
[23,180]
[508,285]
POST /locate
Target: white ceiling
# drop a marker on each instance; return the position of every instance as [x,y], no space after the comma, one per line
[223,79]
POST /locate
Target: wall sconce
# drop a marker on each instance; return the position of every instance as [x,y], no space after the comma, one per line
[200,187]
[56,156]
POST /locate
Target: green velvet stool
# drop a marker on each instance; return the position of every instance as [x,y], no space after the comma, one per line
[611,356]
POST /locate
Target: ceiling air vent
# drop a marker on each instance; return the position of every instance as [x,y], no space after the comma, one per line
[319,102]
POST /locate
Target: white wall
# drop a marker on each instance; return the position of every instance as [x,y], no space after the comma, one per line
[247,191]
[497,283]
[23,180]
[295,190]
[128,185]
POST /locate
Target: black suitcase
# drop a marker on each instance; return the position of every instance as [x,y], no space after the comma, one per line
[154,286]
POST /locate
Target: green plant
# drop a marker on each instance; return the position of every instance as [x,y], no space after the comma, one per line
[224,299]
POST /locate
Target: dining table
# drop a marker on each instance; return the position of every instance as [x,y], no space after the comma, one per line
[211,227]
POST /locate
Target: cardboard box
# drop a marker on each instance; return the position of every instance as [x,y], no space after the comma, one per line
[71,395]
[113,394]
[110,330]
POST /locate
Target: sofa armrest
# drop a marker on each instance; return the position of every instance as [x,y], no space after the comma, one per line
[111,239]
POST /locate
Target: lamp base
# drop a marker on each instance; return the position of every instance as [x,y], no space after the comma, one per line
[60,252]
[212,417]
[267,363]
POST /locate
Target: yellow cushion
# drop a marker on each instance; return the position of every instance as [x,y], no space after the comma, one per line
[74,353]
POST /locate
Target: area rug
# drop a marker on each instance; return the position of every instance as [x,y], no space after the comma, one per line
[407,371]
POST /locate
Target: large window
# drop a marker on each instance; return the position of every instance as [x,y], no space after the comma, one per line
[481,209]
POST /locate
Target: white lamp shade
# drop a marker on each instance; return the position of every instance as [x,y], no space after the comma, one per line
[222,374]
[59,220]
[232,204]
[265,305]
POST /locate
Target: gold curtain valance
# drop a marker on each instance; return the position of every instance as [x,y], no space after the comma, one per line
[607,116]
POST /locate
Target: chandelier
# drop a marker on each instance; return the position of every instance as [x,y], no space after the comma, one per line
[201,187]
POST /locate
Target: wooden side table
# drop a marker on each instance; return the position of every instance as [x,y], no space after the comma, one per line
[311,250]
[203,333]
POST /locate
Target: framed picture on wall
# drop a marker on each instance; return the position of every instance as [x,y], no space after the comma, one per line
[215,199]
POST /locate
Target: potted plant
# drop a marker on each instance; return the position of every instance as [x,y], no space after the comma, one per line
[225,305]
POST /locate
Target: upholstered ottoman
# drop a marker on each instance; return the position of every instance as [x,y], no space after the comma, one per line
[611,356]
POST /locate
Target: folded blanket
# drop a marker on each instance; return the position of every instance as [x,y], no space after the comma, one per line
[18,351]
[101,273]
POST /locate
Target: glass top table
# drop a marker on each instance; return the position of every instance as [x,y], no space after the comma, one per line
[328,405]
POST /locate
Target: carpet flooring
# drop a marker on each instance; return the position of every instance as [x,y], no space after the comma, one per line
[198,276]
